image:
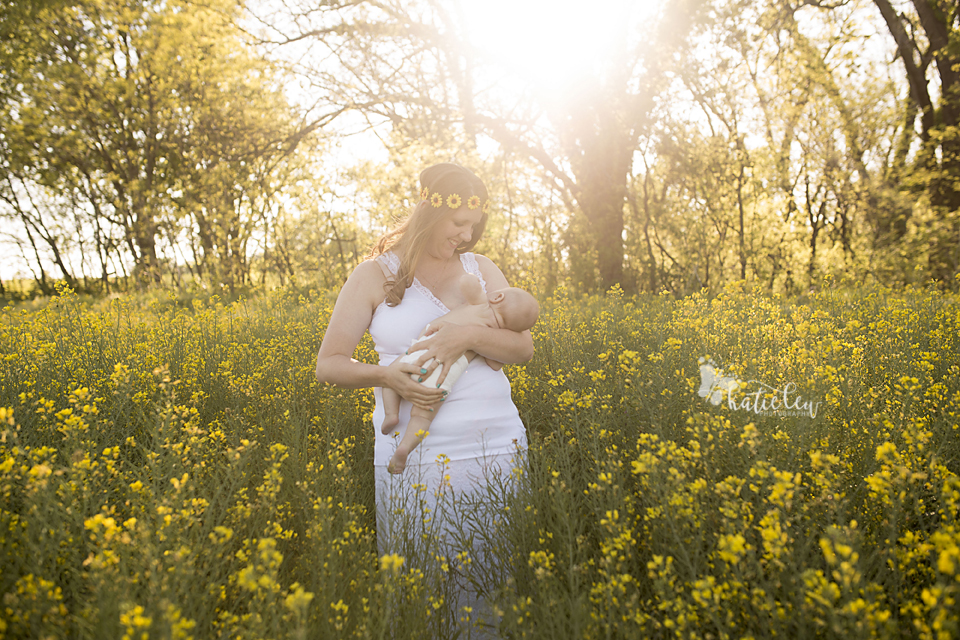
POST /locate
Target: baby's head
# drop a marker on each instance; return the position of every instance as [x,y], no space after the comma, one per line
[514,308]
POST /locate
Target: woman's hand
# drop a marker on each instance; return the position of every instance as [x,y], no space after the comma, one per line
[445,344]
[397,377]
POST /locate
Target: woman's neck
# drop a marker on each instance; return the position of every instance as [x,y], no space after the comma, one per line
[434,263]
[425,261]
[435,271]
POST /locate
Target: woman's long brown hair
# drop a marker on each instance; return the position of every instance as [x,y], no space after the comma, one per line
[409,238]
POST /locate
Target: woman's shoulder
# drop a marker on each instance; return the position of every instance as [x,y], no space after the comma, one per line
[387,262]
[367,276]
[367,268]
[490,271]
[483,262]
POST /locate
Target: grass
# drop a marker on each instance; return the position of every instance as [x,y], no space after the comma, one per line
[172,469]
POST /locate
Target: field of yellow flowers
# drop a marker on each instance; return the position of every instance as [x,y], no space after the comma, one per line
[172,469]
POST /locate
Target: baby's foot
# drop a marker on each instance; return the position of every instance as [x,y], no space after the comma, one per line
[398,462]
[389,422]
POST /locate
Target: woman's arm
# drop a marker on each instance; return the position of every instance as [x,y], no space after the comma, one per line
[448,341]
[351,317]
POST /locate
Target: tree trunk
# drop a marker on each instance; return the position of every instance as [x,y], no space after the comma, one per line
[602,170]
[148,267]
[740,231]
[652,279]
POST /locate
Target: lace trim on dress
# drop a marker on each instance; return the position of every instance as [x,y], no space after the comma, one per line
[429,295]
[392,262]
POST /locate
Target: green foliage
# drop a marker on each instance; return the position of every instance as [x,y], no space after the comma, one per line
[137,126]
[717,141]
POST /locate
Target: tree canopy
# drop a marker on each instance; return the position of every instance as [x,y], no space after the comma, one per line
[136,126]
[770,140]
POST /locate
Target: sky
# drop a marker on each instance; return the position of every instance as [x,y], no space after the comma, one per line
[545,39]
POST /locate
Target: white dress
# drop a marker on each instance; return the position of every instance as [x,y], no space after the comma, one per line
[478,417]
[449,500]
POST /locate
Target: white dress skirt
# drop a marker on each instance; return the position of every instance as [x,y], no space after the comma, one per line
[446,509]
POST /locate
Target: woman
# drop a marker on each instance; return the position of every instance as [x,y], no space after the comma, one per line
[411,280]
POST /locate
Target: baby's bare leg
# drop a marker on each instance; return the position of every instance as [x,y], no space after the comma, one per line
[417,430]
[420,419]
[391,399]
[391,409]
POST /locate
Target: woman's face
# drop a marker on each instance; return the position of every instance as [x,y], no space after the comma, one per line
[454,230]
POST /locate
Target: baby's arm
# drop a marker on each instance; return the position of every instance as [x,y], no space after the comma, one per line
[494,364]
[475,311]
[472,290]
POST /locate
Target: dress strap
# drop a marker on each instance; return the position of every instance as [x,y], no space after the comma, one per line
[390,261]
[469,262]
[389,264]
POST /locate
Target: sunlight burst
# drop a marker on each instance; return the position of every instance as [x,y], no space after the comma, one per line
[555,43]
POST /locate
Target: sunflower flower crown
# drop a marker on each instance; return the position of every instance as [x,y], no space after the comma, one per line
[454,201]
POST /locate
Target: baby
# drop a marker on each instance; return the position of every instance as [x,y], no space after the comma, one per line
[509,308]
